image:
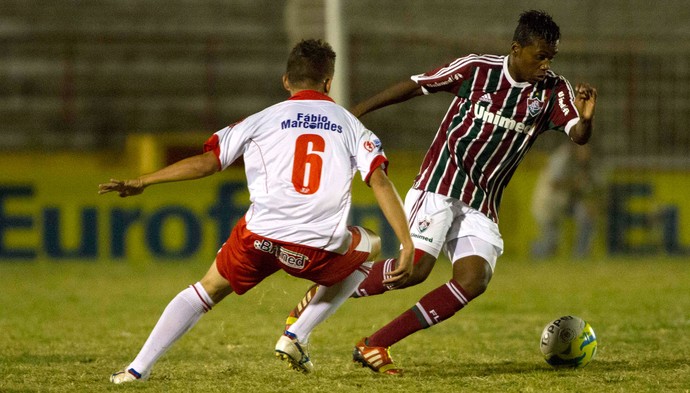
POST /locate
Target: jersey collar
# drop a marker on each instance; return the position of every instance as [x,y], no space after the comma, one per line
[310,95]
[512,81]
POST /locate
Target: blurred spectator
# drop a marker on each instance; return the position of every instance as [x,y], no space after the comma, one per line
[566,189]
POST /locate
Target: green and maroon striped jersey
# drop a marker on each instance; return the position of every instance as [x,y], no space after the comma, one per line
[488,128]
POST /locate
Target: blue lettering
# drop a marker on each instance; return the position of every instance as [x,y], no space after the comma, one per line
[622,220]
[8,222]
[154,229]
[660,227]
[668,217]
[226,211]
[120,221]
[88,244]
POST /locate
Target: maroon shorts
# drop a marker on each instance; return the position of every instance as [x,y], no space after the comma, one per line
[247,258]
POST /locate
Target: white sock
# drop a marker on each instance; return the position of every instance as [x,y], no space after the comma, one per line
[325,302]
[181,314]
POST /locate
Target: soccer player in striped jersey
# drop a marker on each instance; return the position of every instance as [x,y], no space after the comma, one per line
[500,105]
[300,157]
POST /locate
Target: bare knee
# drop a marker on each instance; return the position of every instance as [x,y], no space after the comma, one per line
[215,285]
[473,273]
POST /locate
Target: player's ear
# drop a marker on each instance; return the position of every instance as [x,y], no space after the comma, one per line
[327,85]
[286,82]
[515,47]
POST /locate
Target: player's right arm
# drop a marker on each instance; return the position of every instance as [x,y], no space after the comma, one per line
[585,101]
[194,167]
[392,207]
[399,92]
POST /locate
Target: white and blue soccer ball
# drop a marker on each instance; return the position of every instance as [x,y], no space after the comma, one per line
[568,342]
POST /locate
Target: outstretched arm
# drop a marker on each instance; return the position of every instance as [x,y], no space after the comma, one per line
[585,101]
[399,92]
[392,207]
[194,167]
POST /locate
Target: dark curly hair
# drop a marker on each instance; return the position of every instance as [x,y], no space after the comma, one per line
[534,25]
[310,62]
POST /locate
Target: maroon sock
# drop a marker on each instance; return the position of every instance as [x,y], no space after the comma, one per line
[373,284]
[436,306]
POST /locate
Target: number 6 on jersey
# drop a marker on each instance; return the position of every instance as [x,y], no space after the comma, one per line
[306,169]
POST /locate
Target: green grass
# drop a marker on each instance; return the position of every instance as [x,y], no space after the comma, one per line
[66,327]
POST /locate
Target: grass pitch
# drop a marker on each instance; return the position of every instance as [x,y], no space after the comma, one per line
[67,327]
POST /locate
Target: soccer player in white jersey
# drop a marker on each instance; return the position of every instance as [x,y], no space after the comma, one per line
[300,157]
[501,104]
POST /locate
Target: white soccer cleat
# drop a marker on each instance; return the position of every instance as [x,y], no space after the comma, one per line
[294,353]
[126,376]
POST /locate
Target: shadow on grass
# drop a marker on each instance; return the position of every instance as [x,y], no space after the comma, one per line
[449,369]
[39,359]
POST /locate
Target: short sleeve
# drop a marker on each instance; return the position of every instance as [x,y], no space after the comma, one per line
[227,144]
[370,155]
[448,78]
[564,114]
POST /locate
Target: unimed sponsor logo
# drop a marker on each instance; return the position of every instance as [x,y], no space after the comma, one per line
[501,121]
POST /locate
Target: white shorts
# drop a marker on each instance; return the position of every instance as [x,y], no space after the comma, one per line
[438,222]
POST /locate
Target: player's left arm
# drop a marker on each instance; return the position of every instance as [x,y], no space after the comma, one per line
[194,167]
[389,200]
[585,102]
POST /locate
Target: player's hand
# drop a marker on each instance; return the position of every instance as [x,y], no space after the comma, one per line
[585,100]
[402,271]
[124,188]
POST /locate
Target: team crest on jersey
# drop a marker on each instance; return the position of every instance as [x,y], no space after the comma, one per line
[534,106]
[423,223]
[372,145]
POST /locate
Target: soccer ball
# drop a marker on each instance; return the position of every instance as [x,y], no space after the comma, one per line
[568,342]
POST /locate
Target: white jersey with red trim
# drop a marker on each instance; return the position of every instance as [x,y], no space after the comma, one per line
[300,157]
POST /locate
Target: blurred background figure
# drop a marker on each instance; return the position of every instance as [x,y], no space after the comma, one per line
[566,189]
